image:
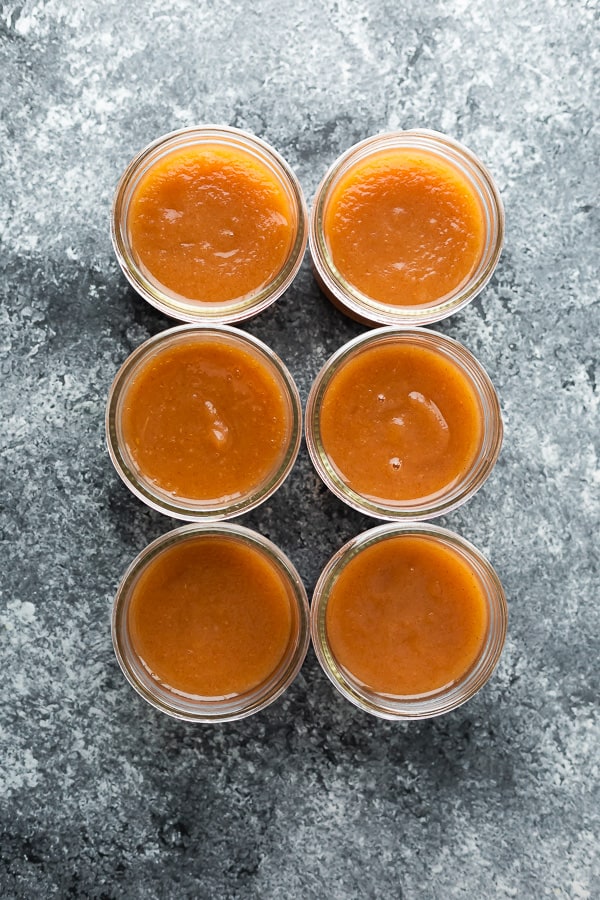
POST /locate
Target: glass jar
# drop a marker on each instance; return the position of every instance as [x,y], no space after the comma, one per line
[182,704]
[197,310]
[451,695]
[458,159]
[453,494]
[143,485]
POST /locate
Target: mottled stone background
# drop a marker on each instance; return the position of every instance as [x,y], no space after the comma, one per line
[104,797]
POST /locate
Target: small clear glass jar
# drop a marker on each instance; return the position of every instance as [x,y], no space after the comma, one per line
[445,699]
[192,708]
[172,304]
[456,493]
[373,312]
[193,509]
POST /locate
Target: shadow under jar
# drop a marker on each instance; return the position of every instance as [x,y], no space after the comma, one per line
[406,228]
[408,622]
[209,224]
[203,423]
[403,423]
[210,623]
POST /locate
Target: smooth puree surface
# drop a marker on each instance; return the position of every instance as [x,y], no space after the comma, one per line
[406,616]
[206,419]
[211,223]
[404,227]
[400,422]
[210,617]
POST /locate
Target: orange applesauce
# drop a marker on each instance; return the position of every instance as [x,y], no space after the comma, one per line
[210,617]
[406,616]
[400,422]
[206,420]
[404,227]
[211,223]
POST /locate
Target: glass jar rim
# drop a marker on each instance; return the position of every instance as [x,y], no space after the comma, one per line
[173,305]
[445,699]
[461,490]
[179,508]
[375,313]
[206,710]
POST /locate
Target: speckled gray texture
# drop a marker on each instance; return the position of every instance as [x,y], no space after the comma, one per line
[103,797]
